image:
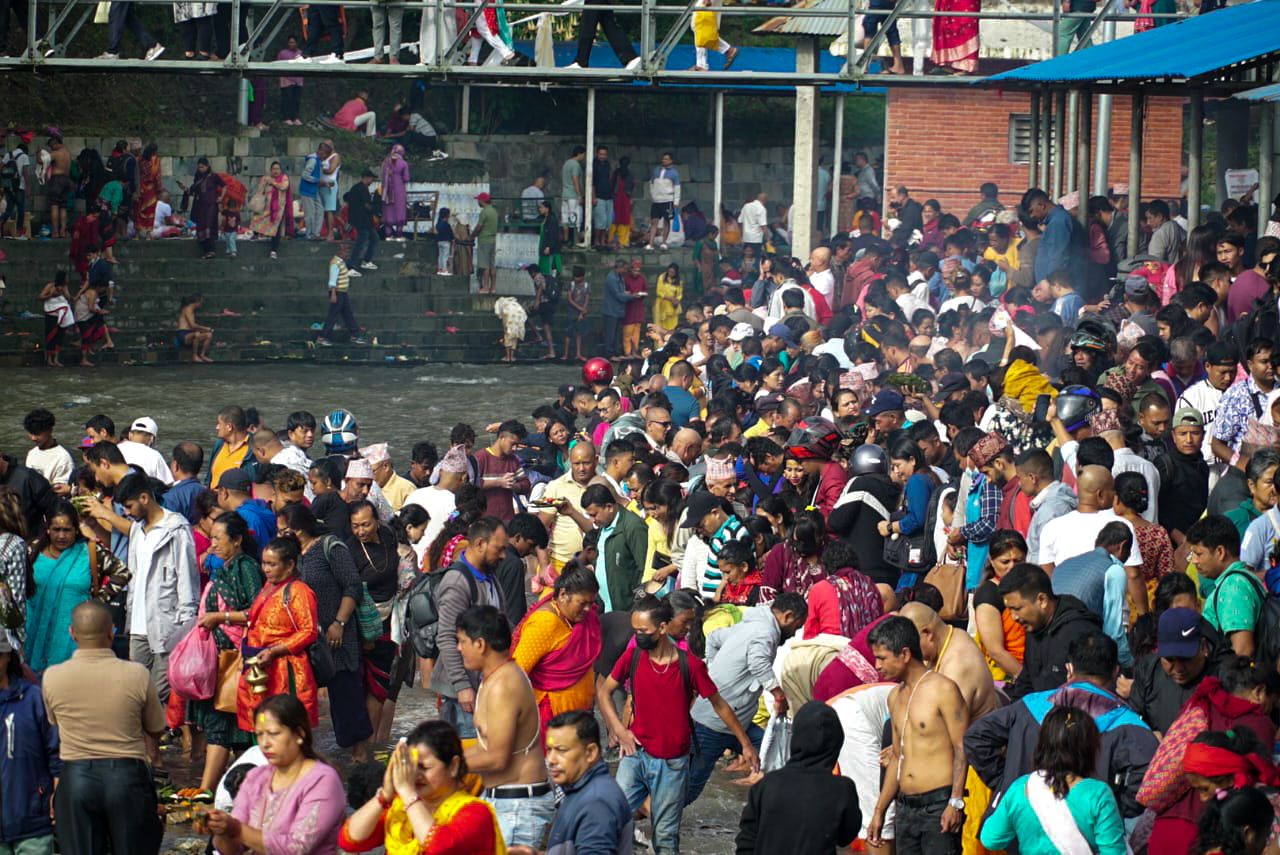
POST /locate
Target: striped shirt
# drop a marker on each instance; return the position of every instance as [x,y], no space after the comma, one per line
[731,529]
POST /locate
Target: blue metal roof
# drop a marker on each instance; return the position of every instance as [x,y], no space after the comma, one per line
[1189,48]
[1270,92]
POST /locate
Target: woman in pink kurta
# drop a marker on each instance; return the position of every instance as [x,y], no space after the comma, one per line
[395,182]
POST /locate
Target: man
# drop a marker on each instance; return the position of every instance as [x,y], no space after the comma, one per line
[711,518]
[601,199]
[360,216]
[46,456]
[530,197]
[396,488]
[235,495]
[956,656]
[754,218]
[655,748]
[60,187]
[485,236]
[526,535]
[507,754]
[993,457]
[1062,244]
[1187,651]
[564,521]
[664,194]
[1073,533]
[735,302]
[623,547]
[927,767]
[1249,284]
[740,658]
[1000,746]
[860,275]
[637,288]
[820,276]
[614,307]
[1099,579]
[138,450]
[684,407]
[422,460]
[185,465]
[1236,596]
[1050,498]
[1051,623]
[231,451]
[1166,235]
[1184,475]
[1245,399]
[467,582]
[571,185]
[594,817]
[910,213]
[499,472]
[105,709]
[887,411]
[300,426]
[859,511]
[438,499]
[14,170]
[619,457]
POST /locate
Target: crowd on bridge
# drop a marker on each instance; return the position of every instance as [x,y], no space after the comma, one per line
[978,512]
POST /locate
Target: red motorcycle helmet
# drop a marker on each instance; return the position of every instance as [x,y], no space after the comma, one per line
[597,370]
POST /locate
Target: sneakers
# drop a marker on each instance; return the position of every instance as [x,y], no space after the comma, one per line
[323,342]
[359,339]
[328,59]
[154,52]
[354,274]
[300,58]
[573,66]
[273,256]
[108,55]
[368,265]
[437,155]
[633,64]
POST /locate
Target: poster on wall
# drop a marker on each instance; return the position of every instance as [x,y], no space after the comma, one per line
[1240,181]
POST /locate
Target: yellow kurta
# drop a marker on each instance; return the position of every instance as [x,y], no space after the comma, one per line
[664,314]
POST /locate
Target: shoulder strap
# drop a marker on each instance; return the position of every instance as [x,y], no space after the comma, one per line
[95,567]
[631,671]
[683,657]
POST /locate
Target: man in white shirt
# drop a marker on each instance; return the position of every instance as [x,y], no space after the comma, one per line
[164,224]
[1127,460]
[820,276]
[531,196]
[1074,533]
[46,456]
[438,499]
[753,218]
[1204,396]
[138,452]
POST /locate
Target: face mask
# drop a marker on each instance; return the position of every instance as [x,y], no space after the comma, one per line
[646,640]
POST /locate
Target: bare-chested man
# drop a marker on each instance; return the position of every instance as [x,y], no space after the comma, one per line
[956,656]
[59,186]
[927,766]
[508,750]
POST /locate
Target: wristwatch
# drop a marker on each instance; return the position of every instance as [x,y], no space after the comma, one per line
[958,804]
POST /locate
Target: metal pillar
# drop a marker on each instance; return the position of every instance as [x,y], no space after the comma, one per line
[1136,105]
[1059,144]
[1194,157]
[1047,153]
[1033,165]
[464,122]
[718,190]
[242,102]
[587,185]
[1073,134]
[837,165]
[1266,159]
[1102,152]
[1083,139]
[803,202]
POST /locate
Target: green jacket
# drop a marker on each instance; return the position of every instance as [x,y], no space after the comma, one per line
[621,562]
[1242,515]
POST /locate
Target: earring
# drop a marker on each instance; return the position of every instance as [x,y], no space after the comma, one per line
[299,741]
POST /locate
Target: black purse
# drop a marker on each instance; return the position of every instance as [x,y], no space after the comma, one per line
[319,656]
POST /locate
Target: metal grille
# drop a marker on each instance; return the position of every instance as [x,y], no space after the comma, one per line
[1020,137]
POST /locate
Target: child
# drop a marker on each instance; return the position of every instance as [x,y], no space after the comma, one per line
[88,316]
[58,317]
[741,583]
[233,196]
[444,242]
[579,298]
[1066,302]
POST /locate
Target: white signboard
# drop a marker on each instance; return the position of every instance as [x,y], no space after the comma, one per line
[1240,181]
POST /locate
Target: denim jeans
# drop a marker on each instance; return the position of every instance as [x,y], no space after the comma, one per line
[462,721]
[665,783]
[525,822]
[366,243]
[708,746]
[918,825]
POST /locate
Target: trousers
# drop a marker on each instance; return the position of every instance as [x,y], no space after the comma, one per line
[107,803]
[121,16]
[341,307]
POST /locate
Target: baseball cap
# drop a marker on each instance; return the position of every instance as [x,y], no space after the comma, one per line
[237,480]
[1137,286]
[483,197]
[146,424]
[784,332]
[1187,416]
[1179,633]
[949,384]
[886,401]
[741,332]
[700,504]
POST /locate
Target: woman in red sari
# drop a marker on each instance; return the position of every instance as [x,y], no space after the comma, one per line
[282,625]
[558,642]
[149,187]
[955,40]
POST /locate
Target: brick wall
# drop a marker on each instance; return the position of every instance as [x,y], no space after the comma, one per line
[944,142]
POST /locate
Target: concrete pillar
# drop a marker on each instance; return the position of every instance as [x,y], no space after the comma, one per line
[1073,132]
[1195,154]
[803,198]
[1059,144]
[1136,107]
[464,121]
[242,102]
[1266,164]
[1084,137]
[589,174]
[837,165]
[1231,122]
[1102,151]
[1033,162]
[1046,142]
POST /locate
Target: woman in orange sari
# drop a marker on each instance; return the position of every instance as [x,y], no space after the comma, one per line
[1002,639]
[282,625]
[149,187]
[558,642]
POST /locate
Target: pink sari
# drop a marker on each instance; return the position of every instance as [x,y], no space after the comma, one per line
[562,668]
[955,40]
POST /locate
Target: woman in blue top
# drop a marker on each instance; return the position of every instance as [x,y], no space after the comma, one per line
[1059,809]
[909,470]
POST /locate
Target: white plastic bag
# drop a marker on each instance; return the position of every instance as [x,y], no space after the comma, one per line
[775,748]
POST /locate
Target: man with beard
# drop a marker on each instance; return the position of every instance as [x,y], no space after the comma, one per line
[993,457]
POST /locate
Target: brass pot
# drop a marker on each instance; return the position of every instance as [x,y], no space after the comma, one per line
[256,677]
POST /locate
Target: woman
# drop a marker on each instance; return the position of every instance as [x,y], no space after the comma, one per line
[375,550]
[15,581]
[58,317]
[276,215]
[663,501]
[846,600]
[796,563]
[328,505]
[669,292]
[1102,260]
[1238,824]
[282,625]
[395,183]
[955,39]
[1060,809]
[910,471]
[90,320]
[1132,498]
[623,186]
[290,87]
[330,167]
[149,187]
[772,376]
[205,192]
[558,642]
[29,765]
[225,613]
[1001,638]
[930,234]
[327,569]
[1200,248]
[411,526]
[291,804]
[422,807]
[63,579]
[775,508]
[706,263]
[195,22]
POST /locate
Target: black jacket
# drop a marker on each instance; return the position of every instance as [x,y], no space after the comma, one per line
[856,517]
[360,206]
[1156,697]
[35,497]
[1045,664]
[1184,488]
[802,808]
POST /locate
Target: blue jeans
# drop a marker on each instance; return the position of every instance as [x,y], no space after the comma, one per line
[362,249]
[525,822]
[462,721]
[664,782]
[708,746]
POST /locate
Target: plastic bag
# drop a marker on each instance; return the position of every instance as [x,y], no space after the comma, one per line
[193,665]
[775,749]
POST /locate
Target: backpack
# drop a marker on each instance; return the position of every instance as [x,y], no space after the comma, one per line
[682,656]
[422,616]
[551,290]
[1266,632]
[117,167]
[1261,320]
[9,174]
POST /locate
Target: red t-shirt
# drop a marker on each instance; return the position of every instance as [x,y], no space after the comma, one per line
[661,720]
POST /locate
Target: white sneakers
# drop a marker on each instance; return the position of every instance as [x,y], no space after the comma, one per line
[633,64]
[368,265]
[154,52]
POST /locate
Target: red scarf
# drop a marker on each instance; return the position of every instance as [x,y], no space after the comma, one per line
[1244,770]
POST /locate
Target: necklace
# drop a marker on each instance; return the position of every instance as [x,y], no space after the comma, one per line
[943,651]
[654,665]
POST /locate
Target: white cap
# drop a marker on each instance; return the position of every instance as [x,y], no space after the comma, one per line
[741,331]
[359,468]
[146,424]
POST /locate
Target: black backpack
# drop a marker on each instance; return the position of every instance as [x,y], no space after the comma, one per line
[422,616]
[116,167]
[1266,632]
[1262,320]
[9,175]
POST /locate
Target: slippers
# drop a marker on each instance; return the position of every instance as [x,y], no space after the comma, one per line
[227,313]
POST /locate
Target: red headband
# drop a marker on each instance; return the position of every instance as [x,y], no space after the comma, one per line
[1245,770]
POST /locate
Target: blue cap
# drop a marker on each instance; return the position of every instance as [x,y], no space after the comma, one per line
[785,333]
[886,401]
[1179,634]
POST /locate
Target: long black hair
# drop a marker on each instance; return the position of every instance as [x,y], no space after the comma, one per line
[468,507]
[1068,745]
[1224,823]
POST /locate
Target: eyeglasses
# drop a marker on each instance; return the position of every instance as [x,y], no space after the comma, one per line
[656,422]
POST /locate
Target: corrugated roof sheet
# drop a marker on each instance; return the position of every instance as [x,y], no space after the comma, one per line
[1190,48]
[791,25]
[1262,93]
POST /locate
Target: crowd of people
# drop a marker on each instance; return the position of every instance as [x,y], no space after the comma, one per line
[981,515]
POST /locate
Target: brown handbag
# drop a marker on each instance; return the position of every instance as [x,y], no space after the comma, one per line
[230,664]
[949,580]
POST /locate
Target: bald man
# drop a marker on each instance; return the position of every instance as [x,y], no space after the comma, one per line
[820,275]
[687,446]
[1075,533]
[565,522]
[956,656]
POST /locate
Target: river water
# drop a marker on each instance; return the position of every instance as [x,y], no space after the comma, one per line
[397,404]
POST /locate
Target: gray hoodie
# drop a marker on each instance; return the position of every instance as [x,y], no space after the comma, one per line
[170,581]
[1054,501]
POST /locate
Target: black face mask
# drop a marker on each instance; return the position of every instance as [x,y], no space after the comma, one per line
[647,640]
